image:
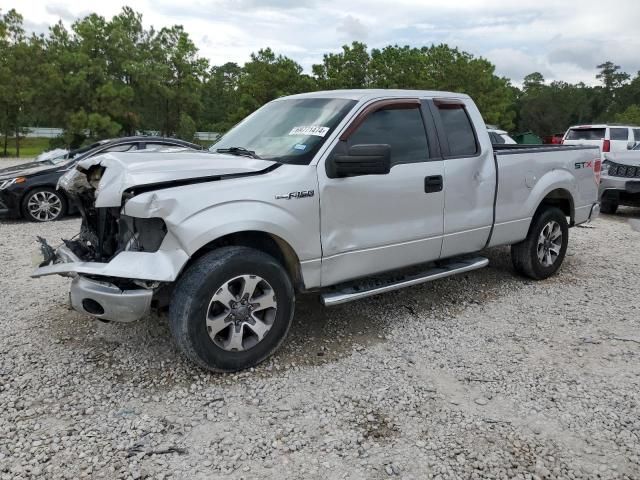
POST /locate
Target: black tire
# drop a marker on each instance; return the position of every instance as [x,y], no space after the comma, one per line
[57,214]
[192,297]
[609,207]
[524,255]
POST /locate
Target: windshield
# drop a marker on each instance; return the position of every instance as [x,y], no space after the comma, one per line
[287,131]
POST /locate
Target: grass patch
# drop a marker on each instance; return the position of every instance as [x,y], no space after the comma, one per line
[29,146]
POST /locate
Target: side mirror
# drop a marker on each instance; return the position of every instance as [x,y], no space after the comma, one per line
[360,160]
[631,145]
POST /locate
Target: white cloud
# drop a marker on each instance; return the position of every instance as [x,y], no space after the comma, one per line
[352,28]
[562,40]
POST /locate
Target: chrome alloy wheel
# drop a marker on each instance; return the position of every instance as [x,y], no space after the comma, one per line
[241,313]
[549,243]
[44,206]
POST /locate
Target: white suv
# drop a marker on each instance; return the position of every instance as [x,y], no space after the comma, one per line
[610,138]
[499,137]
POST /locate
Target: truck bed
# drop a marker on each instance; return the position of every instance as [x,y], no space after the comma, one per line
[525,175]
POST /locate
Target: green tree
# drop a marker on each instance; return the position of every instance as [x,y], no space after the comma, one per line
[533,82]
[186,127]
[175,77]
[611,76]
[630,116]
[549,109]
[21,59]
[347,69]
[221,97]
[266,77]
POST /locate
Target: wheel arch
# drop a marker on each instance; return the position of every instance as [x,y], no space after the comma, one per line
[560,198]
[268,243]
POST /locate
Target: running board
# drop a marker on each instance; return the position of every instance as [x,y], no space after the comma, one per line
[380,285]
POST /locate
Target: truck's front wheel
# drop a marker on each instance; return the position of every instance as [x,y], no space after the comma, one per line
[231,309]
[540,255]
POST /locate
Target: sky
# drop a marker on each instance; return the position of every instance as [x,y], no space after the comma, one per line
[563,40]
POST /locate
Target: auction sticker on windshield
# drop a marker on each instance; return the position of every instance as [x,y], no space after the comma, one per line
[317,131]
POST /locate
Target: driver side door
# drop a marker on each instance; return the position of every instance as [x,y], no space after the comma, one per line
[376,223]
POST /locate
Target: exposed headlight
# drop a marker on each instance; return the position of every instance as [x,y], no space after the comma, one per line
[141,234]
[12,181]
[605,167]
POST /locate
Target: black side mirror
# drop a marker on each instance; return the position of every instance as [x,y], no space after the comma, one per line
[631,145]
[360,160]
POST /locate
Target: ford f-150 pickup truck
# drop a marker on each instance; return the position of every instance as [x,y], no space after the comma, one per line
[349,193]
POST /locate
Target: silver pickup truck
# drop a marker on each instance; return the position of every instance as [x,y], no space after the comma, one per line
[349,193]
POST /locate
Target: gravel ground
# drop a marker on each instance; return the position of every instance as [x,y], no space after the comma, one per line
[484,375]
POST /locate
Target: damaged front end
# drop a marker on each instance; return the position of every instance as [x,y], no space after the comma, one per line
[105,232]
[108,282]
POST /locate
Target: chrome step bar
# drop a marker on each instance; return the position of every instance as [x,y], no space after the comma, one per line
[356,292]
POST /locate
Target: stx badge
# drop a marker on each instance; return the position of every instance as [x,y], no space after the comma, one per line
[301,194]
[580,165]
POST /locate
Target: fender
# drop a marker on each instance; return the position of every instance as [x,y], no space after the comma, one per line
[550,181]
[199,214]
[513,215]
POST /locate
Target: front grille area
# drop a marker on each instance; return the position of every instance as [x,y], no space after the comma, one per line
[617,170]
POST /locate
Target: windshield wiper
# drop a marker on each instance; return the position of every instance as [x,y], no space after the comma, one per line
[240,151]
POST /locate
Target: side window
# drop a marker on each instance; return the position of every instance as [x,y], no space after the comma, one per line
[619,134]
[126,147]
[402,129]
[458,130]
[636,134]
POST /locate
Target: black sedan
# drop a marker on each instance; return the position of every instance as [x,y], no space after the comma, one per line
[29,190]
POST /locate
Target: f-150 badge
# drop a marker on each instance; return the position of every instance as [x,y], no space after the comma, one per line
[301,194]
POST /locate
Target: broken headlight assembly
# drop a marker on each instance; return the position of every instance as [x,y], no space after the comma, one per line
[140,234]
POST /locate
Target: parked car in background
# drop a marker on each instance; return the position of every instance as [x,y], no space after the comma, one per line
[620,184]
[498,136]
[609,137]
[29,190]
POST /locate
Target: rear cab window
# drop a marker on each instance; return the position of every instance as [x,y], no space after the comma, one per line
[460,136]
[586,133]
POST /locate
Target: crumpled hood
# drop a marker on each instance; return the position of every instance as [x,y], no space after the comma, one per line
[135,169]
[631,157]
[31,168]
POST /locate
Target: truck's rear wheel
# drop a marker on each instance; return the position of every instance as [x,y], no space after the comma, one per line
[232,309]
[540,255]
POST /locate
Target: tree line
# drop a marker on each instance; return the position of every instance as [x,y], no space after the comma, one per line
[107,77]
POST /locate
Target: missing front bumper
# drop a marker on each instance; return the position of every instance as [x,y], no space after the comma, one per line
[106,301]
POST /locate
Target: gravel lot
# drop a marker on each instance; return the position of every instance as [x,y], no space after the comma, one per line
[485,375]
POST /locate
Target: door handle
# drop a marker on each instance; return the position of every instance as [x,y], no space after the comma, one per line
[433,183]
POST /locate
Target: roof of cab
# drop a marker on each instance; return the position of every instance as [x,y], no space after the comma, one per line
[373,93]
